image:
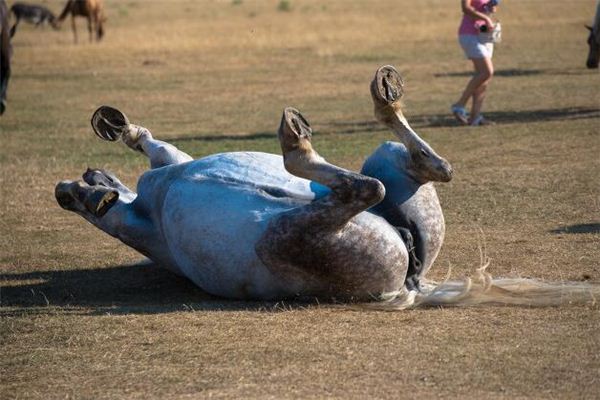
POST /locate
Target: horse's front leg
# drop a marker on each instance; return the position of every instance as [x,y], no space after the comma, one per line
[74,27]
[326,244]
[90,27]
[110,206]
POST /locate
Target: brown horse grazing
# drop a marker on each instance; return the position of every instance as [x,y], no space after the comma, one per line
[594,41]
[5,54]
[93,10]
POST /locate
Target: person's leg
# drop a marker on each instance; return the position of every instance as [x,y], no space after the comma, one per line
[486,69]
[477,104]
[483,73]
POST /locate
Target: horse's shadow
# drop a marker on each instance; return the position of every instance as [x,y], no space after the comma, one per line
[578,228]
[128,289]
[351,127]
[517,72]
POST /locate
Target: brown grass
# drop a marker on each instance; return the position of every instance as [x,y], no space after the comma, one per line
[78,320]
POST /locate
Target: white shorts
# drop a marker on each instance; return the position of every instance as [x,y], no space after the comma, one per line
[473,48]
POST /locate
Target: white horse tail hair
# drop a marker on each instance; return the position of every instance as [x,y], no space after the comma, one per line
[482,290]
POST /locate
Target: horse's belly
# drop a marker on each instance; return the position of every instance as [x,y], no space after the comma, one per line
[211,228]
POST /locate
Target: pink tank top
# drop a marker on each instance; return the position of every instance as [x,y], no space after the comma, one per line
[470,25]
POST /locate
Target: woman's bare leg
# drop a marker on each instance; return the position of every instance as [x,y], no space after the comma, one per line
[478,98]
[484,70]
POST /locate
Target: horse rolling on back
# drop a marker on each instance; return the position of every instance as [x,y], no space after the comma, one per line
[92,10]
[594,41]
[34,14]
[251,225]
[5,54]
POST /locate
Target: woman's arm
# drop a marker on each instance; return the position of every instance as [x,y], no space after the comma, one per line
[469,10]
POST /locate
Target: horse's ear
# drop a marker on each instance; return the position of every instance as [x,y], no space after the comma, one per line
[589,28]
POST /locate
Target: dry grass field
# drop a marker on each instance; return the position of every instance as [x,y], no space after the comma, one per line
[79,318]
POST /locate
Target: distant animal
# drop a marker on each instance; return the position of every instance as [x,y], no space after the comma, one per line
[5,54]
[594,40]
[34,14]
[92,10]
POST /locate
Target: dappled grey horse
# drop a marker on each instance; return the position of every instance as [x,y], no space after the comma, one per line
[251,225]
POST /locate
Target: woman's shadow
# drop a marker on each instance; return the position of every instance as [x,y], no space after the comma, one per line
[143,288]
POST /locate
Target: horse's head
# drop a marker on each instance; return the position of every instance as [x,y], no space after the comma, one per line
[594,43]
[425,164]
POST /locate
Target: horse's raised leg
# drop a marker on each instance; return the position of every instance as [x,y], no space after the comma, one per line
[111,124]
[160,153]
[328,244]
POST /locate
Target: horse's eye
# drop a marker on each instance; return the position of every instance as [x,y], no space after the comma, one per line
[425,153]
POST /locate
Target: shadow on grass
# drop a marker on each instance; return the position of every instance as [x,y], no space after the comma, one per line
[516,72]
[416,121]
[578,228]
[128,289]
[225,136]
[499,117]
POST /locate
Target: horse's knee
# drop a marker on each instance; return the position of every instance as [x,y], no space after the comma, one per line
[374,190]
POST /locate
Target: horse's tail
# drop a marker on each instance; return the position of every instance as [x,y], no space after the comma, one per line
[485,290]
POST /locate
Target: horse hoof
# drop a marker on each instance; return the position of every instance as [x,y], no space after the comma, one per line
[64,197]
[294,130]
[109,123]
[100,200]
[387,85]
[99,177]
[78,197]
[2,107]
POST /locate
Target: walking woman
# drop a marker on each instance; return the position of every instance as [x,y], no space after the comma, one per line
[476,39]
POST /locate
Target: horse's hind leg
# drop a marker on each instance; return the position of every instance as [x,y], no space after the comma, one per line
[355,191]
[111,124]
[326,244]
[160,153]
